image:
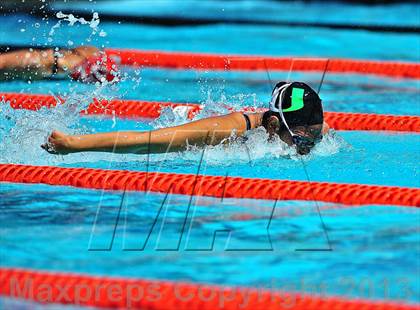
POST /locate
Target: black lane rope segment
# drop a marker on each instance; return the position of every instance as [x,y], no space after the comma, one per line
[174,21]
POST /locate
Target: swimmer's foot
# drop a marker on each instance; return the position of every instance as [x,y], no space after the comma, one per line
[57,143]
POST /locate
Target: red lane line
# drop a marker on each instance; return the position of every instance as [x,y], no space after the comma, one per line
[212,186]
[147,109]
[184,60]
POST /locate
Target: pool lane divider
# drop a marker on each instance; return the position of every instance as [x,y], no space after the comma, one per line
[152,109]
[183,21]
[211,186]
[128,293]
[186,60]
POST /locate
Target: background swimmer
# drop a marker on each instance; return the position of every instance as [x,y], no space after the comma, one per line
[84,64]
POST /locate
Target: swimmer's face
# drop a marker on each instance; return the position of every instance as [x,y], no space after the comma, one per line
[308,135]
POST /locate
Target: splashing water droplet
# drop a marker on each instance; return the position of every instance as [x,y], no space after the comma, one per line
[95,21]
[72,20]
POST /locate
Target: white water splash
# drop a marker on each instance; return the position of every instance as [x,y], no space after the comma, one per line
[72,20]
[179,115]
[171,117]
[23,131]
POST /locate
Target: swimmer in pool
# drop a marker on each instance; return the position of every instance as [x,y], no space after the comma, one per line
[85,64]
[295,115]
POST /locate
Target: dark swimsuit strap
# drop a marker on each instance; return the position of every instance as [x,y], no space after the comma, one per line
[248,122]
[55,67]
[55,63]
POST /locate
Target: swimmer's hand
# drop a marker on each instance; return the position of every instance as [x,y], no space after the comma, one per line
[57,143]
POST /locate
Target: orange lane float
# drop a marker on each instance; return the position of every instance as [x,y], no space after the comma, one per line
[211,186]
[124,293]
[152,109]
[184,60]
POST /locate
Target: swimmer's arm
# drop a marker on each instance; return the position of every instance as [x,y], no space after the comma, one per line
[38,62]
[203,132]
[157,141]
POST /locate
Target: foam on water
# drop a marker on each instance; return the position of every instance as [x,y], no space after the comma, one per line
[257,147]
[23,131]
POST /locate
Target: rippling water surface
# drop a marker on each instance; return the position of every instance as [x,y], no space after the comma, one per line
[375,249]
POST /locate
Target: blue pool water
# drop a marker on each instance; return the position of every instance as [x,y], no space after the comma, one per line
[375,249]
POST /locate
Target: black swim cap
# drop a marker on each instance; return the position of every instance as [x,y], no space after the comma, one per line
[298,102]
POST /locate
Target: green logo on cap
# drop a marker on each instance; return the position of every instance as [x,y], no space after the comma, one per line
[297,100]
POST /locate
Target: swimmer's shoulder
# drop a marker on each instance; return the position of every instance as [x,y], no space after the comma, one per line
[237,119]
